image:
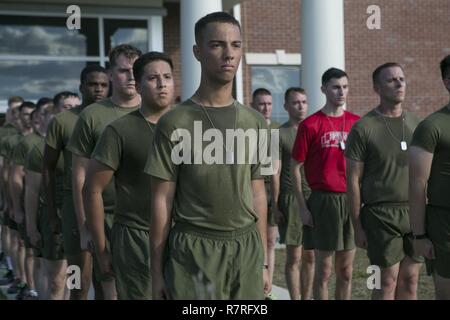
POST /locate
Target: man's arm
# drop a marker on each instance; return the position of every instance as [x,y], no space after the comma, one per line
[51,157]
[419,171]
[354,174]
[297,181]
[275,188]
[32,187]
[260,205]
[162,195]
[79,167]
[16,176]
[97,178]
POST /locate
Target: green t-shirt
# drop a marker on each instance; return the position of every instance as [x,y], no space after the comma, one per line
[58,134]
[288,134]
[375,140]
[433,135]
[267,179]
[213,196]
[124,146]
[8,143]
[88,128]
[20,151]
[34,162]
[5,131]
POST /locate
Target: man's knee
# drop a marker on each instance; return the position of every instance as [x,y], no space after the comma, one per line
[308,257]
[344,273]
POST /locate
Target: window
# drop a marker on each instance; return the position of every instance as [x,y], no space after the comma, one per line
[277,79]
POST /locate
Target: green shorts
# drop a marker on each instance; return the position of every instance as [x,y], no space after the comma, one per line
[333,229]
[6,218]
[438,230]
[292,231]
[109,221]
[130,249]
[71,234]
[388,234]
[12,223]
[208,264]
[271,222]
[52,244]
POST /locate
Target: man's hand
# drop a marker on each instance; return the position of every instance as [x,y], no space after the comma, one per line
[159,290]
[306,217]
[424,247]
[267,283]
[55,224]
[105,263]
[279,217]
[35,238]
[360,238]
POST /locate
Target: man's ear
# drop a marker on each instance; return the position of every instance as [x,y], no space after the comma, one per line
[322,88]
[137,85]
[196,51]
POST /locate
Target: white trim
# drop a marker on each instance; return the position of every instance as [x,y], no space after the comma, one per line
[239,74]
[280,57]
[155,34]
[5,57]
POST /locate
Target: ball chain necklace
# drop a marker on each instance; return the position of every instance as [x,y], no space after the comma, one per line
[403,144]
[229,154]
[145,119]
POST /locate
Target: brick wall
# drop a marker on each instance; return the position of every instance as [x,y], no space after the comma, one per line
[415,33]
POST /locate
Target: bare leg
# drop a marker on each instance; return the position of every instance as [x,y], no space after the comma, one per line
[307,274]
[292,270]
[408,278]
[344,271]
[324,265]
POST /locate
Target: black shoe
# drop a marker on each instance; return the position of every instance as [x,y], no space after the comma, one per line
[23,291]
[7,279]
[14,287]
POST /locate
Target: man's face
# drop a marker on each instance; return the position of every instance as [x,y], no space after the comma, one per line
[219,51]
[12,113]
[68,103]
[336,91]
[121,76]
[296,106]
[263,104]
[95,87]
[156,85]
[391,85]
[25,118]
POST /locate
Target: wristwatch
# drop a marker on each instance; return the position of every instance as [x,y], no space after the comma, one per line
[420,236]
[265,266]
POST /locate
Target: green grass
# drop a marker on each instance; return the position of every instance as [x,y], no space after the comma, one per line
[359,291]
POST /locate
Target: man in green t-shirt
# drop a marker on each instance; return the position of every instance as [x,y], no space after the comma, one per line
[122,152]
[10,127]
[429,187]
[88,128]
[216,199]
[299,268]
[377,186]
[262,102]
[94,85]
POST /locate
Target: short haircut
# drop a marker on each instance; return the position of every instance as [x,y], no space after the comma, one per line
[42,102]
[14,99]
[142,61]
[127,50]
[376,73]
[260,92]
[445,67]
[333,73]
[27,104]
[219,16]
[293,89]
[90,69]
[63,95]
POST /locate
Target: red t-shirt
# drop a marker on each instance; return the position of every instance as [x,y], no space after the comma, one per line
[319,146]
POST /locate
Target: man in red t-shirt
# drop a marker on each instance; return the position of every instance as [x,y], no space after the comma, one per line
[319,146]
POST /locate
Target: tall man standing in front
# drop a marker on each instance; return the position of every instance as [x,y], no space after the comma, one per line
[217,246]
[319,146]
[377,185]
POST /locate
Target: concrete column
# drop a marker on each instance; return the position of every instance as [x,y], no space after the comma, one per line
[190,12]
[322,45]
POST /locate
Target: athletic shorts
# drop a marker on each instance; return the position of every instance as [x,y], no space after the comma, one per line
[69,225]
[438,230]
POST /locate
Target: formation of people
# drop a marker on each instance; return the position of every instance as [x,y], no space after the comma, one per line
[119,186]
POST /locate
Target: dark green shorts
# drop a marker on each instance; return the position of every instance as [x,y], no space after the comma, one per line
[71,234]
[388,234]
[131,262]
[333,229]
[22,229]
[12,223]
[271,222]
[438,230]
[52,244]
[292,231]
[109,221]
[6,219]
[207,264]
